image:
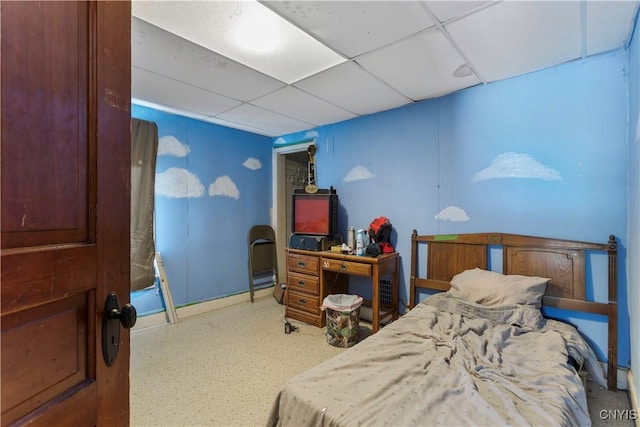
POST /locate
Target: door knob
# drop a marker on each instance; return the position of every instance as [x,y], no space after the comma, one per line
[127,315]
[113,317]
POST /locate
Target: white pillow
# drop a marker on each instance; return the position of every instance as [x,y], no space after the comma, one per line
[492,289]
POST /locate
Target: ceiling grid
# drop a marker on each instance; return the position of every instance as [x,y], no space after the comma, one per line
[278,67]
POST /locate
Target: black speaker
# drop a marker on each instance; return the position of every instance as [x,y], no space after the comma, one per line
[310,242]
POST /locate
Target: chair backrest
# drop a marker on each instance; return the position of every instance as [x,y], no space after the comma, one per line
[261,232]
[263,259]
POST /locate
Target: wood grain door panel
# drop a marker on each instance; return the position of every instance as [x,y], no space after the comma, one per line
[45,114]
[44,354]
[65,177]
[45,274]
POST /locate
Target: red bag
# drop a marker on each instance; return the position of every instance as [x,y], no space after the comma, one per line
[380,233]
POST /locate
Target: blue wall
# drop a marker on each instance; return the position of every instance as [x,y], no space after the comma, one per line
[543,154]
[212,184]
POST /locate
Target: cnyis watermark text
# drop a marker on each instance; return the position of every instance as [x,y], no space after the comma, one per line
[618,414]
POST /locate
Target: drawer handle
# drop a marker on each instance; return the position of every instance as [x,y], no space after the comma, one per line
[302,301]
[302,283]
[302,264]
[343,267]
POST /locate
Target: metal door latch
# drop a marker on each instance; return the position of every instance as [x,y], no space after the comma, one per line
[112,318]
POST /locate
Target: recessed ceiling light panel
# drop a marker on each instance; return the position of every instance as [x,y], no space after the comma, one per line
[245,31]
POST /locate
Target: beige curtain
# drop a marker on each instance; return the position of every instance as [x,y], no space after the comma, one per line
[144,149]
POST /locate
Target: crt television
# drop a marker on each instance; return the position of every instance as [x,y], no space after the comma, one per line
[315,214]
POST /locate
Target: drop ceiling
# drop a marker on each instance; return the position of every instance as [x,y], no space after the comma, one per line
[346,59]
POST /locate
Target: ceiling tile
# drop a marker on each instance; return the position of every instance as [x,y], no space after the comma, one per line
[260,118]
[292,102]
[355,27]
[445,10]
[608,24]
[172,93]
[167,109]
[155,49]
[245,31]
[353,89]
[400,56]
[419,67]
[512,38]
[241,126]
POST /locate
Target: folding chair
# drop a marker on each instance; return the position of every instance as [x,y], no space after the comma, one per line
[263,259]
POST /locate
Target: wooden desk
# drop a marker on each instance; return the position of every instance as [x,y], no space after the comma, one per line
[311,276]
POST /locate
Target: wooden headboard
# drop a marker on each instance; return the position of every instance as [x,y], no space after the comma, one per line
[561,260]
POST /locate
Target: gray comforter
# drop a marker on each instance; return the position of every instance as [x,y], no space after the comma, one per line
[448,362]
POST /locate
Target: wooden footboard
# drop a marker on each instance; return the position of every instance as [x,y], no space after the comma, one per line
[561,260]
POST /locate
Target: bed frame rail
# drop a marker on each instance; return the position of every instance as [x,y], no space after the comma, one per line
[561,260]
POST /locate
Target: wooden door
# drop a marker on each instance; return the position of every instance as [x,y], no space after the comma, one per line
[65,74]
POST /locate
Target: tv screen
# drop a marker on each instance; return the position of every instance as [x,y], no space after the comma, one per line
[315,214]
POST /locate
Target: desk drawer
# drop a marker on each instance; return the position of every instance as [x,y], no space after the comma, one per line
[303,283]
[346,267]
[303,301]
[304,263]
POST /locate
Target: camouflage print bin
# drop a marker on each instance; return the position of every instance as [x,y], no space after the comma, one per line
[342,327]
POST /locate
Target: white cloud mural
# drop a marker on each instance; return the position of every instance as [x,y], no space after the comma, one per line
[224,186]
[357,173]
[170,146]
[311,134]
[178,183]
[453,213]
[252,163]
[515,165]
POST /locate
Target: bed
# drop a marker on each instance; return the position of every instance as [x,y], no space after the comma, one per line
[473,353]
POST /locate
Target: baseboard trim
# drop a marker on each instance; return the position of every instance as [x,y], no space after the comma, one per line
[206,306]
[622,376]
[185,312]
[633,395]
[150,321]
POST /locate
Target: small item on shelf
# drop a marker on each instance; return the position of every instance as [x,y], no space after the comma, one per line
[360,247]
[351,238]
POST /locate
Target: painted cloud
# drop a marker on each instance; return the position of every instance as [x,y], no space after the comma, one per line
[514,165]
[178,183]
[170,146]
[224,186]
[311,134]
[452,213]
[252,163]
[358,173]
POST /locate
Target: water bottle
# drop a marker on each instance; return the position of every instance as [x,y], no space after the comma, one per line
[351,238]
[360,248]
